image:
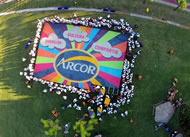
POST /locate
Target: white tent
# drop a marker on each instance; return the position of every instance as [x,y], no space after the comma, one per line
[164,112]
[179,135]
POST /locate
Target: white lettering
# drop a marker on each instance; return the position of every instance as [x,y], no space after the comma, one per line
[77,67]
[91,69]
[70,65]
[85,70]
[62,61]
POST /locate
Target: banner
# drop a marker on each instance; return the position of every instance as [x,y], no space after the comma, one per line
[80,56]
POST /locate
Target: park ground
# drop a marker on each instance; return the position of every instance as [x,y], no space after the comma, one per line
[21,108]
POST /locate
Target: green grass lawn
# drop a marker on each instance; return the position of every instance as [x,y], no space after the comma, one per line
[22,108]
[136,6]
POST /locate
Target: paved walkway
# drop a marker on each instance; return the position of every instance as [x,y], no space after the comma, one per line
[172,3]
[5,1]
[94,10]
[165,2]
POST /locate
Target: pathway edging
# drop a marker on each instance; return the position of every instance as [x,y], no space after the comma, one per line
[94,10]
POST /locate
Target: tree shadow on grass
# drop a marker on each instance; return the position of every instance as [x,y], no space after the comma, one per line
[22,108]
[20,29]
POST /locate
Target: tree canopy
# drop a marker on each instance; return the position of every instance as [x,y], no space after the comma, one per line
[184,119]
[83,127]
[182,4]
[53,127]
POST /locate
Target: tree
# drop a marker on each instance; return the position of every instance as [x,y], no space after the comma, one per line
[47,123]
[184,119]
[83,127]
[144,1]
[53,127]
[182,4]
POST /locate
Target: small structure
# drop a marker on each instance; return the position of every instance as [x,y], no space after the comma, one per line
[139,76]
[171,51]
[164,112]
[106,101]
[179,135]
[99,111]
[54,113]
[91,113]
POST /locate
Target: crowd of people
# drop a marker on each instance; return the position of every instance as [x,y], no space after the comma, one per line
[172,91]
[92,99]
[3,1]
[172,94]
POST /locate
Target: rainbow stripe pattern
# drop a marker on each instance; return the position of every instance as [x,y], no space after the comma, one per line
[110,69]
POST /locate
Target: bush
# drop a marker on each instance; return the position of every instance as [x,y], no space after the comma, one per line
[184,119]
